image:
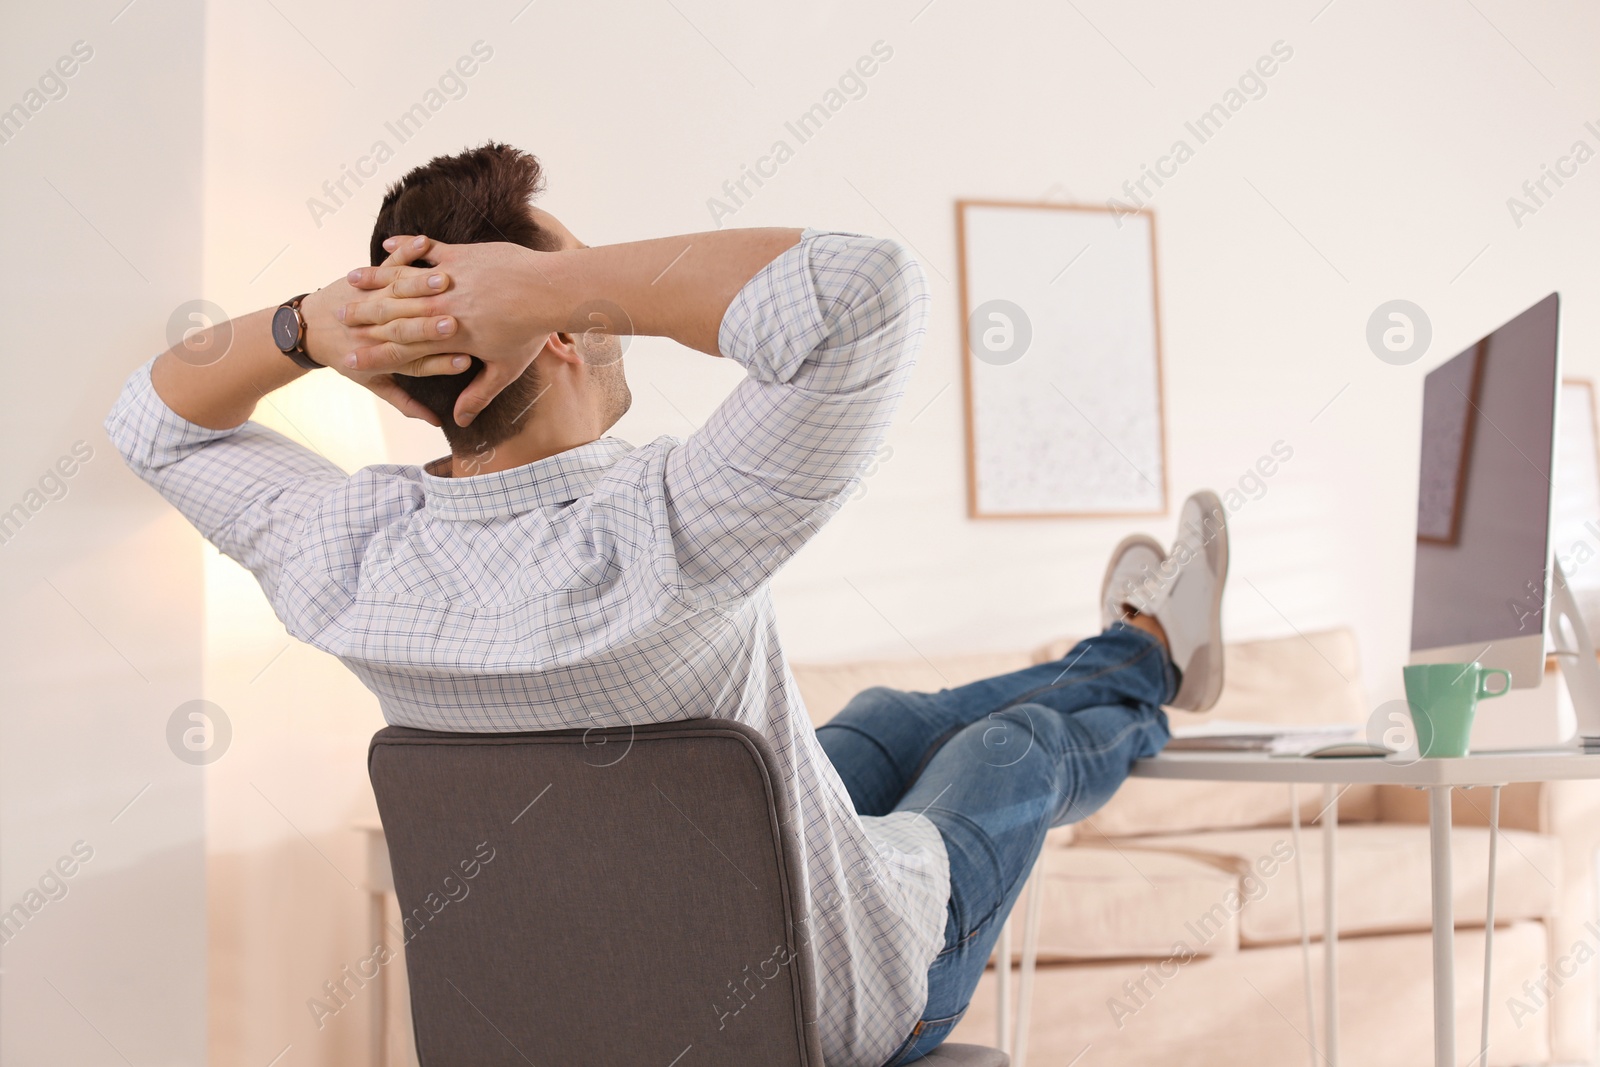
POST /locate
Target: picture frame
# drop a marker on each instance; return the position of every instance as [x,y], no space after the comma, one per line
[1074,425]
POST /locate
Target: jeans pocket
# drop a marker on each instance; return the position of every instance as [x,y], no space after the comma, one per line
[926,1036]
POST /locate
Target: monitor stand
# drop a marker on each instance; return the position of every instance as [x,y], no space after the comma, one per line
[1574,651]
[1563,710]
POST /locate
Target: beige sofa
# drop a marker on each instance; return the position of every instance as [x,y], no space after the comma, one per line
[1158,948]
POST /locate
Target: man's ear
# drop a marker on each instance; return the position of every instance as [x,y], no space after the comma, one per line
[563,346]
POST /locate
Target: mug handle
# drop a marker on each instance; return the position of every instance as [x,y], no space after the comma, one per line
[1483,683]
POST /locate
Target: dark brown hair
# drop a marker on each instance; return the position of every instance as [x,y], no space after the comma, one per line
[477,196]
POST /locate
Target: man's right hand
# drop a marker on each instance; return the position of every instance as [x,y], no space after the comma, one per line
[328,340]
[489,306]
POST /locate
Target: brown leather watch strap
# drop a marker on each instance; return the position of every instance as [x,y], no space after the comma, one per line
[296,351]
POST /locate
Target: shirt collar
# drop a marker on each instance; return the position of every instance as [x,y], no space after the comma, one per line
[549,482]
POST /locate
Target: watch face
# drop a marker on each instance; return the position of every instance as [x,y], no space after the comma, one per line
[286,329]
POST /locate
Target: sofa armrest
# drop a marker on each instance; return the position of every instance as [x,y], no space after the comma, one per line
[1570,813]
[1572,809]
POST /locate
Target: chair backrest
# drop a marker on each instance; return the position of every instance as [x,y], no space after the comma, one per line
[598,897]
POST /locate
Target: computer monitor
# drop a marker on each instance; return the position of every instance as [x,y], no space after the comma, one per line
[1484,499]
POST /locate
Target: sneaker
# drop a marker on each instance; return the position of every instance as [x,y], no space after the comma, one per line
[1130,577]
[1188,600]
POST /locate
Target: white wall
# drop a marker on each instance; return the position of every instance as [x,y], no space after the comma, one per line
[101,584]
[1377,165]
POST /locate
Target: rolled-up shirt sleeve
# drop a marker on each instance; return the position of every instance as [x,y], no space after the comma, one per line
[248,490]
[828,333]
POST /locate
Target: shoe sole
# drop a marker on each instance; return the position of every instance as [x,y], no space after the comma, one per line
[1116,555]
[1212,653]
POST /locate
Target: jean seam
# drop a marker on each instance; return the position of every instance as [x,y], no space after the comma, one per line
[1027,698]
[1131,728]
[1077,779]
[961,942]
[933,750]
[981,836]
[883,751]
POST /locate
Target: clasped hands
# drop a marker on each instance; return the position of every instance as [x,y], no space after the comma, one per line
[398,318]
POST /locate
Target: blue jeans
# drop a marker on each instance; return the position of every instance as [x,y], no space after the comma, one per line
[995,764]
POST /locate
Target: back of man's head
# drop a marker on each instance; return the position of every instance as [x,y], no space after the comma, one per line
[480,195]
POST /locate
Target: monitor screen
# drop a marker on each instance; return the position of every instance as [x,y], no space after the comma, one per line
[1483,502]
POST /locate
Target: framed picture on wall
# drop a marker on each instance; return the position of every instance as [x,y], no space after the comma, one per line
[1061,359]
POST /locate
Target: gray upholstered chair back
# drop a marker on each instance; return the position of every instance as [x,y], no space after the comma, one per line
[603,897]
[606,897]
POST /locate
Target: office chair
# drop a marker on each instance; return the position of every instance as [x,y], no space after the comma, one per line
[621,898]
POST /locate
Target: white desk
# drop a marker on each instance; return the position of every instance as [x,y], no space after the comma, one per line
[1439,777]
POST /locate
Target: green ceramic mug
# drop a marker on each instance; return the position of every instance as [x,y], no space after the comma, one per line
[1443,698]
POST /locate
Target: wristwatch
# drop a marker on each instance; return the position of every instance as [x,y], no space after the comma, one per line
[289,332]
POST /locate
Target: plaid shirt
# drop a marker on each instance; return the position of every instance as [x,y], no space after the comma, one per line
[612,585]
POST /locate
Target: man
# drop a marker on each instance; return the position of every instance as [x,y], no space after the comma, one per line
[545,576]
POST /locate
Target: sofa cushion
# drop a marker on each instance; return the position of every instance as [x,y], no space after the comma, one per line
[1248,1007]
[1101,903]
[1383,876]
[1165,806]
